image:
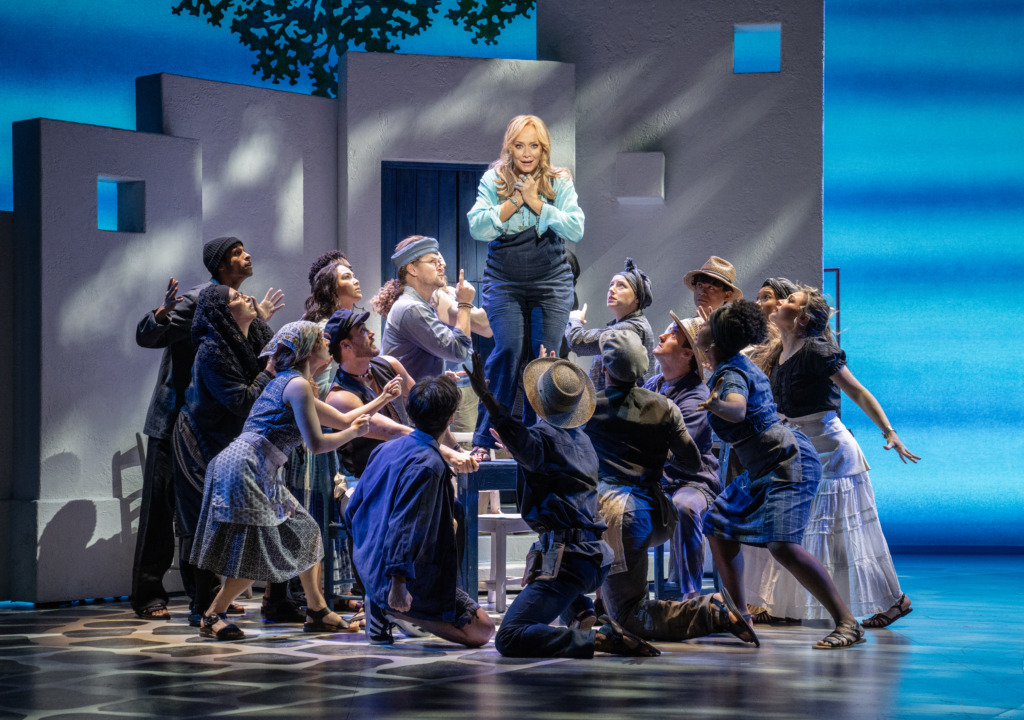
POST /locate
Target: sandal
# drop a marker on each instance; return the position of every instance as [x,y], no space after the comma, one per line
[480,453]
[884,619]
[843,636]
[317,623]
[156,610]
[721,613]
[235,609]
[623,642]
[228,632]
[766,618]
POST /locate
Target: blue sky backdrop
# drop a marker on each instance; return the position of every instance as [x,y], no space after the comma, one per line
[924,210]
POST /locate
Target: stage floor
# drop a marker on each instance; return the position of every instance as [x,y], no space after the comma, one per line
[959,654]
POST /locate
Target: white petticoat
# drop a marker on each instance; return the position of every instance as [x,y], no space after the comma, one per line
[844,533]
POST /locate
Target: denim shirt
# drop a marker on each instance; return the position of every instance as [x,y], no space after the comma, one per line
[563,216]
[742,377]
[401,516]
[556,487]
[688,391]
[417,337]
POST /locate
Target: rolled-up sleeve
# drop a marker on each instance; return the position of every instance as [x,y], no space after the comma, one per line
[423,328]
[484,220]
[564,216]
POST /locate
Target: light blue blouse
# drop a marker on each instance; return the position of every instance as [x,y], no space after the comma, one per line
[563,216]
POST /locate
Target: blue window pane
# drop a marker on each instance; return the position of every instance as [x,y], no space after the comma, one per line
[106,205]
[757,48]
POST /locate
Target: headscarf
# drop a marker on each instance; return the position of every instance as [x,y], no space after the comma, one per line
[300,337]
[414,250]
[214,324]
[782,287]
[639,282]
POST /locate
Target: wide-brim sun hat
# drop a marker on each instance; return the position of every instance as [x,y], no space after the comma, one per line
[560,392]
[719,269]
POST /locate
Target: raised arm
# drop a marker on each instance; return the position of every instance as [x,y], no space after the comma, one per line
[331,417]
[732,408]
[299,395]
[381,426]
[867,402]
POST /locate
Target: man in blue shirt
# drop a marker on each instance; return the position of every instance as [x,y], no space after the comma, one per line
[402,517]
[692,491]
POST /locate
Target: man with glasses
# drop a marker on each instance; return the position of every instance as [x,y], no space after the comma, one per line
[413,332]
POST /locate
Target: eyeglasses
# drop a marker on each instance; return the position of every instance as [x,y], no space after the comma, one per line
[437,262]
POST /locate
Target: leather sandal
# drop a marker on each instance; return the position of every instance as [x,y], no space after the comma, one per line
[317,624]
[843,636]
[722,611]
[623,642]
[156,610]
[883,619]
[228,632]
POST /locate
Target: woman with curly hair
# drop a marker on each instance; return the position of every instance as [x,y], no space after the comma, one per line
[768,504]
[333,287]
[526,209]
[629,293]
[807,371]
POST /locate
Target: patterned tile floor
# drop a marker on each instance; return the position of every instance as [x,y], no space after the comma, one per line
[959,654]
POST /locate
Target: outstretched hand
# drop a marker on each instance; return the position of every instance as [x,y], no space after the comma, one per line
[894,443]
[580,315]
[476,376]
[270,304]
[171,299]
[713,398]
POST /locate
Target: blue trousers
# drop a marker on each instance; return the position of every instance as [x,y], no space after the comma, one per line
[527,284]
[526,630]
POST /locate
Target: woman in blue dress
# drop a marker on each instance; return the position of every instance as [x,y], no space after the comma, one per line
[251,527]
[525,210]
[768,504]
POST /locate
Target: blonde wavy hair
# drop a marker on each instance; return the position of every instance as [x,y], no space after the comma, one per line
[504,166]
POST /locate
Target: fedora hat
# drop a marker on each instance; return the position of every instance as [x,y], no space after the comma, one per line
[559,392]
[690,327]
[719,269]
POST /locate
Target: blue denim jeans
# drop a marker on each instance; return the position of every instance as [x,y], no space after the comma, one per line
[526,630]
[527,284]
[688,539]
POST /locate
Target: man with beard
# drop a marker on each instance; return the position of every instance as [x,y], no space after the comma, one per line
[413,332]
[362,370]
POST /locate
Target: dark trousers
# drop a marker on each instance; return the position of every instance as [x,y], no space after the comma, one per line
[526,630]
[154,543]
[627,595]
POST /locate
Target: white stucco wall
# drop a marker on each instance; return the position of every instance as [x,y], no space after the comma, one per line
[423,108]
[89,382]
[269,172]
[743,152]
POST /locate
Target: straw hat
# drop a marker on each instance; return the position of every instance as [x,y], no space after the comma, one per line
[719,269]
[690,328]
[559,392]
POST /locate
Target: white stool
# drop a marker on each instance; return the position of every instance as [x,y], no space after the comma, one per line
[498,526]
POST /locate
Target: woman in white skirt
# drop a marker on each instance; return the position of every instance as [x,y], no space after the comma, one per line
[807,371]
[251,527]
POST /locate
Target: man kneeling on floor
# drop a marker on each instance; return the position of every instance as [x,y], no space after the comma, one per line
[557,496]
[402,520]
